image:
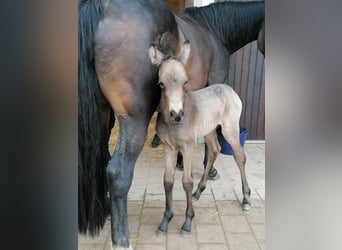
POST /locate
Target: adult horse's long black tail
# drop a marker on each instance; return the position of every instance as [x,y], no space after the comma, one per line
[92,134]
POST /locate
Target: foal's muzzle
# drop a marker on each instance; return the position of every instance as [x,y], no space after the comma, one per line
[176,116]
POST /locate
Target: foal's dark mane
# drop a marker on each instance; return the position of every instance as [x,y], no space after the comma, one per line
[235,23]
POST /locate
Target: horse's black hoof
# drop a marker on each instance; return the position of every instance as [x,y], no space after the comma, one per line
[213,174]
[160,232]
[180,166]
[185,230]
[185,233]
[246,205]
[196,196]
[155,142]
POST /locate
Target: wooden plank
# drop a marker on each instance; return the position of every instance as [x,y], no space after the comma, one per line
[261,117]
[238,70]
[232,66]
[244,81]
[257,93]
[250,89]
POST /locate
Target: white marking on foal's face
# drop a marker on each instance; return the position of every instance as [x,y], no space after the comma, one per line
[172,75]
[175,101]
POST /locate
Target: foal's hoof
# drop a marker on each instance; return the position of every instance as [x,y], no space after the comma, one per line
[213,174]
[160,232]
[246,206]
[196,196]
[155,142]
[185,233]
[180,166]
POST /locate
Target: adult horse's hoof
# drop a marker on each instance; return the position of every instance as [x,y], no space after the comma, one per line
[213,174]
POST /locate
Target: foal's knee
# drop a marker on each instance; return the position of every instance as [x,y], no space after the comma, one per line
[168,185]
[188,185]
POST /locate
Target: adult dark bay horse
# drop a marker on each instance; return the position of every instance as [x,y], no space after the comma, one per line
[115,73]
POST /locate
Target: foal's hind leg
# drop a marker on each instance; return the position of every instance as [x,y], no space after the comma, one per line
[170,159]
[233,137]
[213,151]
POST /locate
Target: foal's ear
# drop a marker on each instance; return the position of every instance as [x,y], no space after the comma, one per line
[185,52]
[156,56]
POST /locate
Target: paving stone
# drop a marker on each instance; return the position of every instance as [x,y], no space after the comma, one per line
[156,201]
[207,216]
[150,247]
[235,224]
[134,207]
[90,246]
[210,233]
[147,234]
[242,242]
[229,208]
[213,247]
[133,224]
[259,203]
[256,215]
[259,232]
[179,242]
[262,246]
[224,194]
[152,216]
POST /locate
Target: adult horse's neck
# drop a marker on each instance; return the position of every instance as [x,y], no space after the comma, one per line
[234,23]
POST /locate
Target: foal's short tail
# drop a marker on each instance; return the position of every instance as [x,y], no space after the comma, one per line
[92,135]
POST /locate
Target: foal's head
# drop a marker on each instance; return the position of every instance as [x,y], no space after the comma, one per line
[172,79]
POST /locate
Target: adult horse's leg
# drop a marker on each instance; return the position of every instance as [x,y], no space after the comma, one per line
[233,137]
[170,160]
[120,171]
[213,151]
[188,184]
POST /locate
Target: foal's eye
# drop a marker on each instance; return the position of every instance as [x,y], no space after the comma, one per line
[161,84]
[186,82]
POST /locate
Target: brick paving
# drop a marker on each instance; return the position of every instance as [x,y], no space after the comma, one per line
[219,222]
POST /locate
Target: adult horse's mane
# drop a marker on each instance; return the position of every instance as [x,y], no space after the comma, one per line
[229,19]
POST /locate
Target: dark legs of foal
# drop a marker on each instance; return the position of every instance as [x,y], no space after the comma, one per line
[170,157]
[213,174]
[213,148]
[170,160]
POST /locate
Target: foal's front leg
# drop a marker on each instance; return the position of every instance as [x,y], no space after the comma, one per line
[170,159]
[188,186]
